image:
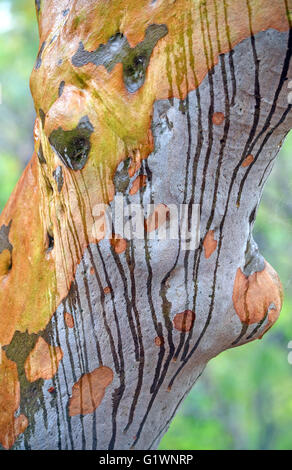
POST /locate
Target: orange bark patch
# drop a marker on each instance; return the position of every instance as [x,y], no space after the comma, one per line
[89,391]
[218,119]
[69,320]
[43,361]
[140,182]
[210,244]
[92,272]
[248,160]
[184,321]
[159,341]
[119,244]
[10,427]
[254,295]
[107,290]
[157,218]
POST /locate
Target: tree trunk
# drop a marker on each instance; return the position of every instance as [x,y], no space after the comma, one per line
[177,104]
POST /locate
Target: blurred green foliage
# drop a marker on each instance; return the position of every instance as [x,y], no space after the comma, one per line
[18,50]
[243,400]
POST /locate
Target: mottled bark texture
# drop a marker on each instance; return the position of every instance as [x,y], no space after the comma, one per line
[163,102]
